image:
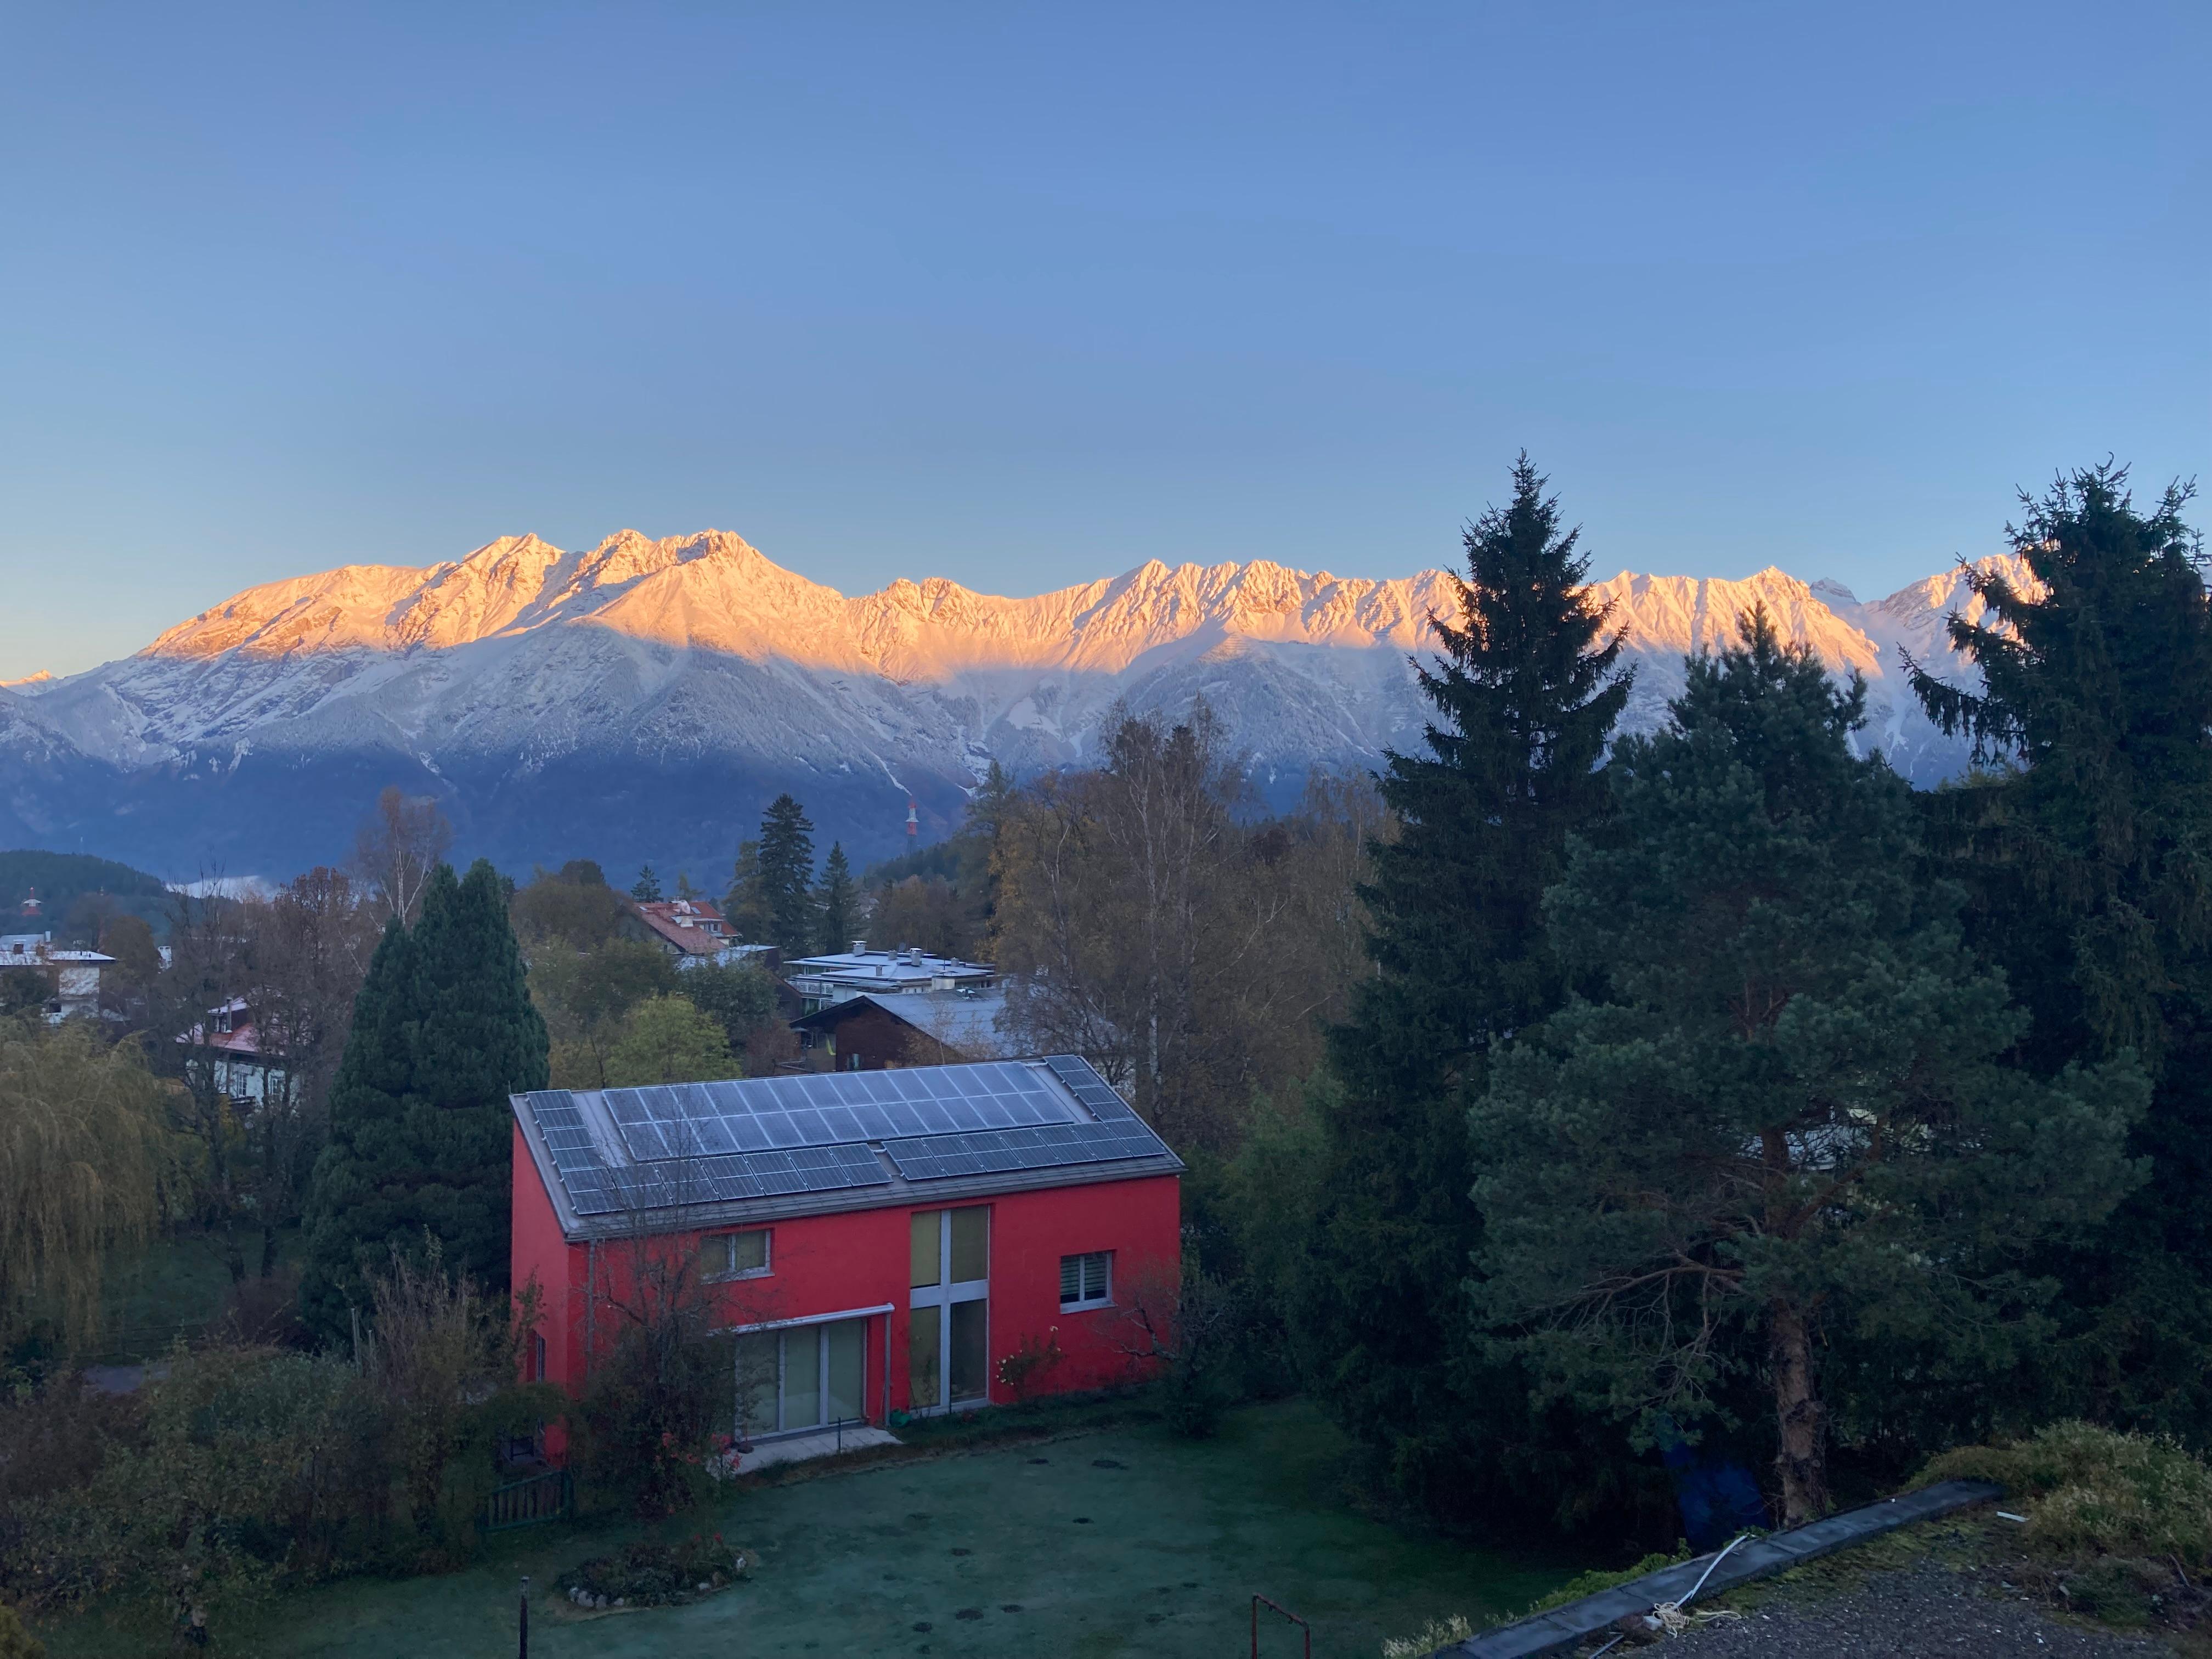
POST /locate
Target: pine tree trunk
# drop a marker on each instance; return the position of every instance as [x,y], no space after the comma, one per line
[1800,1458]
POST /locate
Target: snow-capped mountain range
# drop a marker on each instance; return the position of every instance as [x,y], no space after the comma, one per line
[643,699]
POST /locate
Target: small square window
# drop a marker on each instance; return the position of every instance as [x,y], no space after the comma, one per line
[735,1255]
[1086,1281]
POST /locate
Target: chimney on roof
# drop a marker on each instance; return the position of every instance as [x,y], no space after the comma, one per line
[859,947]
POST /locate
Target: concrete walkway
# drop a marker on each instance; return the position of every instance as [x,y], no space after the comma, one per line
[827,1443]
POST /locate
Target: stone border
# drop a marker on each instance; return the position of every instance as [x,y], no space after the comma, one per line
[1760,1557]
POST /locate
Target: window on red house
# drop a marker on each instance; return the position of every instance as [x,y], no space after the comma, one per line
[537,1359]
[1086,1281]
[948,1334]
[734,1255]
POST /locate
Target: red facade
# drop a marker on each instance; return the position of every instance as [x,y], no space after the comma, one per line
[861,1264]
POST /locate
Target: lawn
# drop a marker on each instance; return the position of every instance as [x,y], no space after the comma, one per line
[177,1287]
[1119,1541]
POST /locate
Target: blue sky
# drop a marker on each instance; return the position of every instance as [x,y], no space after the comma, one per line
[1022,296]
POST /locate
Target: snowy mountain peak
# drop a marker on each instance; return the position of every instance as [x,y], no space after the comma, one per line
[590,699]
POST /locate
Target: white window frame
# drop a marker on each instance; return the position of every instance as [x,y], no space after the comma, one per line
[935,1302]
[724,1275]
[1083,1303]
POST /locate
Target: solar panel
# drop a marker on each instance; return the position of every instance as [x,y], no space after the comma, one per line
[713,1142]
[940,1157]
[685,1121]
[1092,1089]
[723,1180]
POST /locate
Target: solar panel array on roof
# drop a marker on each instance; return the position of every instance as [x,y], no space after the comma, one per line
[597,1190]
[1092,1089]
[941,1157]
[716,1143]
[688,1119]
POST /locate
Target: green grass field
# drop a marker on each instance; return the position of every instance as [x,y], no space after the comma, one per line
[178,1285]
[1118,1541]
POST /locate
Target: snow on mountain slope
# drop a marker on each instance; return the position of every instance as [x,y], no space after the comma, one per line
[649,695]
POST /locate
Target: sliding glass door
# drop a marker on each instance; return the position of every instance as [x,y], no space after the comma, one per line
[805,1377]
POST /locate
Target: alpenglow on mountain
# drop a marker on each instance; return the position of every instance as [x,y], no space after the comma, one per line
[643,699]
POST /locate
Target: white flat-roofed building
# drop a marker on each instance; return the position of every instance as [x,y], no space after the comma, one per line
[821,981]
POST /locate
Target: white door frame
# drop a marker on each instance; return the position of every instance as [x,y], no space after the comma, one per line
[940,1297]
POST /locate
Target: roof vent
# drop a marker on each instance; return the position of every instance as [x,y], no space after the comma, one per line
[859,947]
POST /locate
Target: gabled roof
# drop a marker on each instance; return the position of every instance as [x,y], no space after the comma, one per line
[616,1161]
[967,1021]
[692,925]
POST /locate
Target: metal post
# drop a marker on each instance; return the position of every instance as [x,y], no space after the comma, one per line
[523,1652]
[1287,1613]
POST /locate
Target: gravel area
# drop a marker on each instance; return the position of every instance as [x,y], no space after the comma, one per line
[1901,1615]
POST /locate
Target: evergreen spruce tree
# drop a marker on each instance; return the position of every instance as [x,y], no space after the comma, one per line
[646,887]
[480,1041]
[2090,860]
[977,851]
[1787,1125]
[349,1204]
[839,901]
[743,908]
[787,875]
[421,1128]
[1526,695]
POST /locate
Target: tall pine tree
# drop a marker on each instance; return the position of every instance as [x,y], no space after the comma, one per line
[349,1205]
[839,900]
[1526,694]
[787,876]
[2090,859]
[421,1130]
[1786,1125]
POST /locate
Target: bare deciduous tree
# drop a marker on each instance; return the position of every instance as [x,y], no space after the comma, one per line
[401,843]
[665,1373]
[309,950]
[1178,1323]
[1191,955]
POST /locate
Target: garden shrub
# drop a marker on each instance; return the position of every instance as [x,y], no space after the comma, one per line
[240,1469]
[652,1573]
[2092,1490]
[1436,1633]
[15,1642]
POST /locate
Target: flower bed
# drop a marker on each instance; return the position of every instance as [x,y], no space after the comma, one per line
[652,1574]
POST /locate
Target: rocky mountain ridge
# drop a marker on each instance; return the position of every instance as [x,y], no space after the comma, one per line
[641,699]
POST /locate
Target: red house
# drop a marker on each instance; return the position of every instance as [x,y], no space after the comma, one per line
[873,1241]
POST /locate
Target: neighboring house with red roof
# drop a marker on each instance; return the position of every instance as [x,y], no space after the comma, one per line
[692,930]
[231,1051]
[873,1245]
